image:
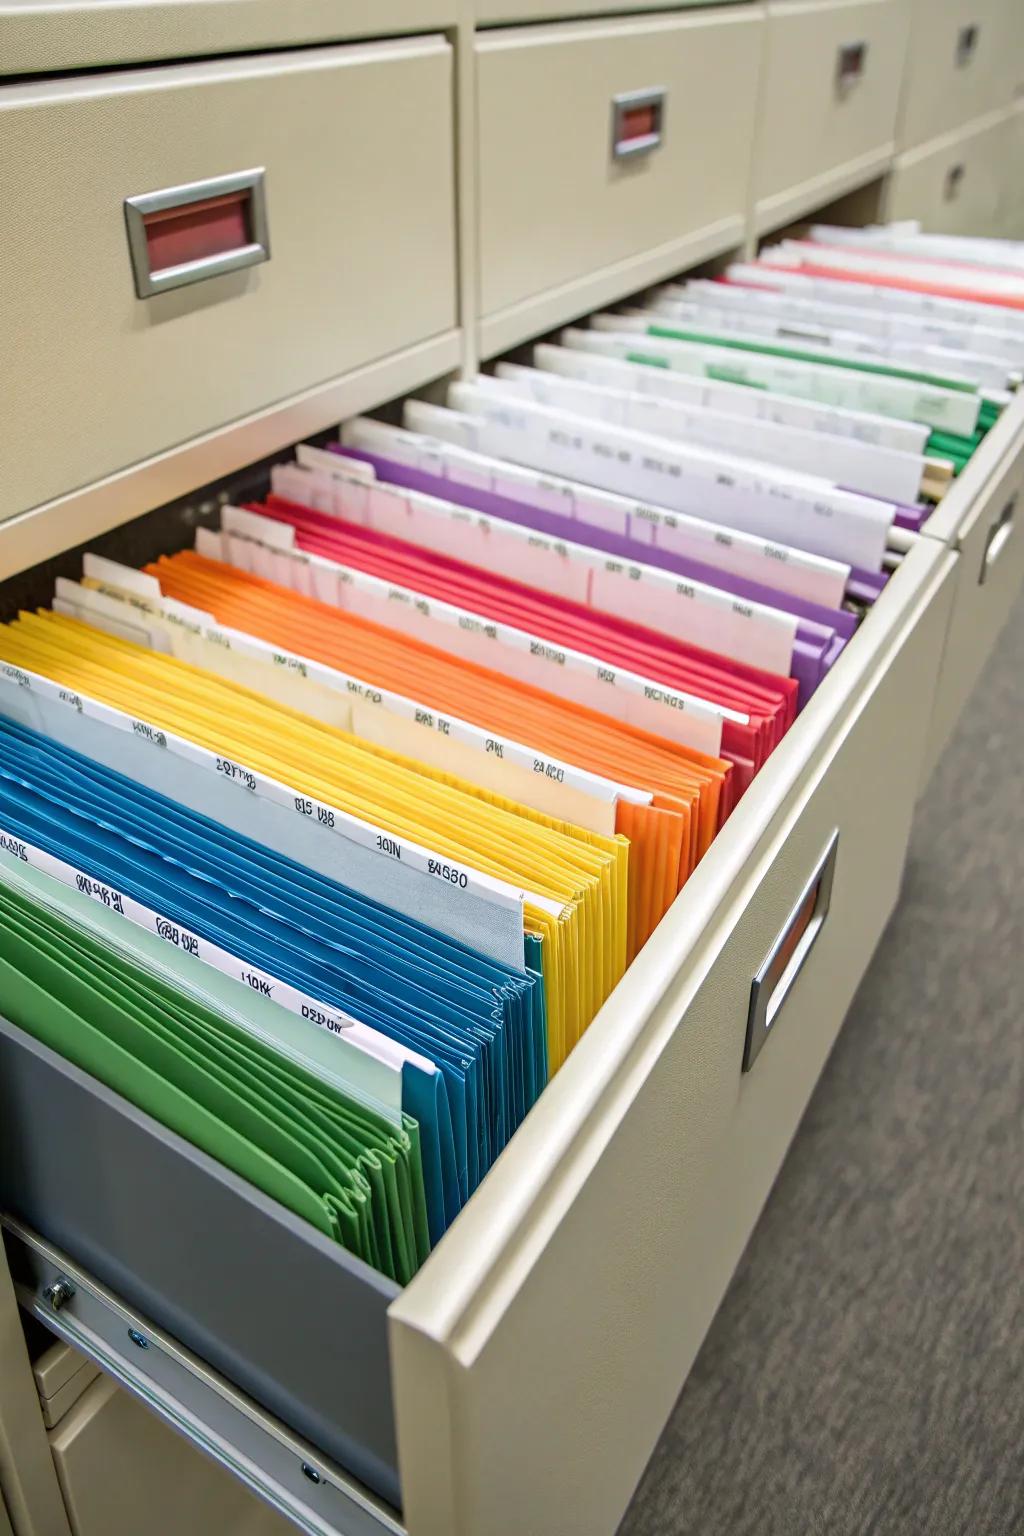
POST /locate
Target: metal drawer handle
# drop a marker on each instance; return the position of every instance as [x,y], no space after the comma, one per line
[785,959]
[998,538]
[203,229]
[638,122]
[954,181]
[850,65]
[966,45]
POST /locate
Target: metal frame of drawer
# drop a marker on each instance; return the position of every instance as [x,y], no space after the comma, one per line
[288,1473]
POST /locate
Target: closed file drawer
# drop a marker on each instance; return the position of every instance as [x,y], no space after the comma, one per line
[553,1324]
[609,155]
[71,34]
[990,574]
[955,69]
[955,185]
[292,156]
[830,96]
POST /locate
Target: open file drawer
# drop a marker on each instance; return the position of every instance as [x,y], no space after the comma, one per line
[532,1362]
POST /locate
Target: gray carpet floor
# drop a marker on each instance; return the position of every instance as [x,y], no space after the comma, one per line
[865,1373]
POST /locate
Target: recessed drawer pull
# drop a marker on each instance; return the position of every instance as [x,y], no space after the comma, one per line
[203,229]
[966,45]
[786,958]
[998,538]
[954,181]
[850,64]
[638,122]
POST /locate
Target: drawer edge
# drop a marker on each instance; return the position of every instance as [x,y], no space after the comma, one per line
[530,318]
[47,530]
[781,208]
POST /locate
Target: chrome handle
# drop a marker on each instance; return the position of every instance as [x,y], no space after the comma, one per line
[966,45]
[998,538]
[638,122]
[851,61]
[203,229]
[787,956]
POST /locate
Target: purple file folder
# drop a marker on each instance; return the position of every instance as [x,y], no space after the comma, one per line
[821,632]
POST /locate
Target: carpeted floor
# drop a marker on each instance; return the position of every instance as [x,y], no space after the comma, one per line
[865,1373]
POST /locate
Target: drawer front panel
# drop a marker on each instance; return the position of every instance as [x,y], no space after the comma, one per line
[955,70]
[601,142]
[957,187]
[990,575]
[558,1318]
[107,378]
[829,101]
[76,33]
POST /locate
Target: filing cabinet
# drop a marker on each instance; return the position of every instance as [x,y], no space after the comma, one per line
[955,185]
[608,156]
[553,1325]
[955,70]
[257,176]
[829,99]
[73,34]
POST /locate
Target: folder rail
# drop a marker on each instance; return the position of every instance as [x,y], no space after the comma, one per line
[284,1470]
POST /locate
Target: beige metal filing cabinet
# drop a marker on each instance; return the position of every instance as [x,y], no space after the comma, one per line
[536,1356]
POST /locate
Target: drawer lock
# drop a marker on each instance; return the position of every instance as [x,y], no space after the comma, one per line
[186,234]
[786,958]
[638,122]
[954,181]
